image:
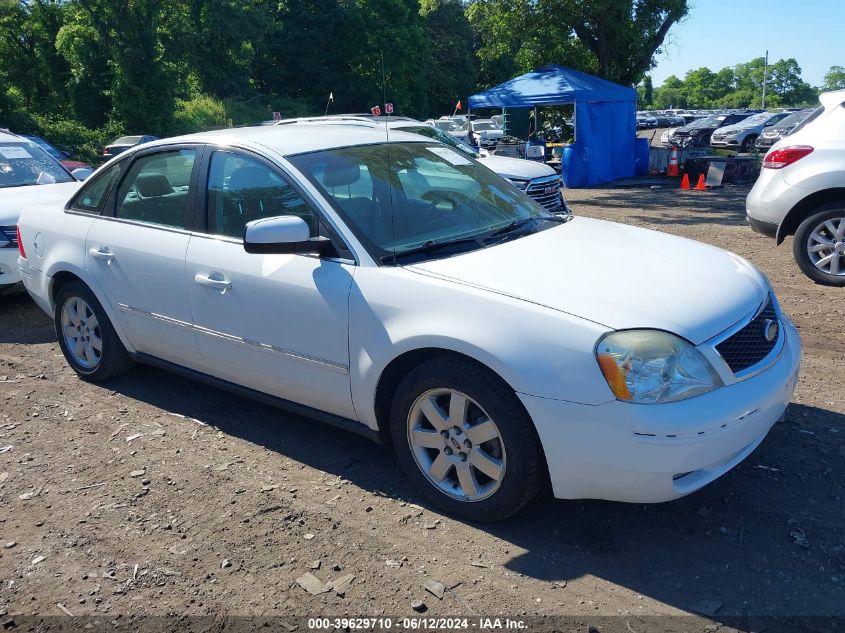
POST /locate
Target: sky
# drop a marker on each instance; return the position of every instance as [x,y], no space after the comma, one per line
[719,33]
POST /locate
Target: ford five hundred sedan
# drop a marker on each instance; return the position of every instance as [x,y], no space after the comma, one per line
[406,292]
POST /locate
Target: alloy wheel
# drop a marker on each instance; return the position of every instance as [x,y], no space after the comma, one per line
[456,445]
[826,246]
[81,332]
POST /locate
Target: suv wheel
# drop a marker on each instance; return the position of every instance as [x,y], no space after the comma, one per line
[819,245]
[86,336]
[748,143]
[462,436]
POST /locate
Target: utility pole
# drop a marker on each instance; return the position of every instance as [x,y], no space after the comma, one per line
[765,73]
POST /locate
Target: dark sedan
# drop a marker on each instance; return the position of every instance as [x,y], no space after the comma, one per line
[773,134]
[125,142]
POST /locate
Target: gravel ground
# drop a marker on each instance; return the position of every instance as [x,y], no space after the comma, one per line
[154,494]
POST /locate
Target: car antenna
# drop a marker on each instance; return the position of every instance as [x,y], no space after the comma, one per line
[387,139]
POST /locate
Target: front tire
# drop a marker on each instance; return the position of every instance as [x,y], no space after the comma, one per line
[463,437]
[86,335]
[748,143]
[819,246]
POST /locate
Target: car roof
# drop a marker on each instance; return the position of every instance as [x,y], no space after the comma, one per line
[288,140]
[6,136]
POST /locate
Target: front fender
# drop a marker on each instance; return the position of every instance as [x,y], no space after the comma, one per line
[536,350]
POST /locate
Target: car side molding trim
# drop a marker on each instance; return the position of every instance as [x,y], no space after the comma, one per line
[331,419]
[313,360]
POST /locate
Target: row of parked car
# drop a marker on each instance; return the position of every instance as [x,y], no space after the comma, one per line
[741,131]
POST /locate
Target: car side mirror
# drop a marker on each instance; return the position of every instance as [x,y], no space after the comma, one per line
[81,173]
[282,235]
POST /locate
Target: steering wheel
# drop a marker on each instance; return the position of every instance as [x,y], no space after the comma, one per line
[435,198]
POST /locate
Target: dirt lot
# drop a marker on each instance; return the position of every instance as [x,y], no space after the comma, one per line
[157,495]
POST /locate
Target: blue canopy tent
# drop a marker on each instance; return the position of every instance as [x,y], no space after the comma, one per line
[605,119]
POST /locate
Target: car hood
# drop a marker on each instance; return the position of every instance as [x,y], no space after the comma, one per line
[13,200]
[518,168]
[616,275]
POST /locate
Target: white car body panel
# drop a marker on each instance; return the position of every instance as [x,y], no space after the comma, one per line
[282,326]
[144,282]
[559,268]
[321,332]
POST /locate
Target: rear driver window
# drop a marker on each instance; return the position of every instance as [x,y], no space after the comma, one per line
[156,189]
[93,193]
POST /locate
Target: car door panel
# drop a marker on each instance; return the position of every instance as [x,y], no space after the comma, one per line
[136,253]
[274,323]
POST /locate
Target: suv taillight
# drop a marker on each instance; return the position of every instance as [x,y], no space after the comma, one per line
[20,242]
[780,158]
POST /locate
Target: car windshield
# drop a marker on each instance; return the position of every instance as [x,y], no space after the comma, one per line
[794,118]
[23,164]
[482,126]
[127,140]
[443,137]
[709,121]
[430,195]
[52,151]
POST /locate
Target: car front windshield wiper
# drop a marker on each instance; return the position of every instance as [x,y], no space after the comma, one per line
[435,246]
[516,225]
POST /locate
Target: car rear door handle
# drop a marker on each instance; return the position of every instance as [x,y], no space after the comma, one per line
[102,253]
[213,280]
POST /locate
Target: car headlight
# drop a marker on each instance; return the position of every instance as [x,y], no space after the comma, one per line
[519,184]
[652,366]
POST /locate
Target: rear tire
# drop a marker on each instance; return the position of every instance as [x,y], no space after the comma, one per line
[86,336]
[480,458]
[819,246]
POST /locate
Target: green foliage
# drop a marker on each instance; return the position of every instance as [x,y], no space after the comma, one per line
[834,79]
[615,39]
[200,113]
[81,142]
[737,87]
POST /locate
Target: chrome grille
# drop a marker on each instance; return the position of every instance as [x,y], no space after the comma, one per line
[546,191]
[11,234]
[749,346]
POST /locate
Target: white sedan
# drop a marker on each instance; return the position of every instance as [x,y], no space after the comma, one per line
[407,293]
[29,176]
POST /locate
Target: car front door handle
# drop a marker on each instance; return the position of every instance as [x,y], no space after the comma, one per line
[102,253]
[213,280]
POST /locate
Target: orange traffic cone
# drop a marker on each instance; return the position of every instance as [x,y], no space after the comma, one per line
[685,182]
[672,169]
[700,186]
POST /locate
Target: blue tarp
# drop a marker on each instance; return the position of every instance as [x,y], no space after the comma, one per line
[605,119]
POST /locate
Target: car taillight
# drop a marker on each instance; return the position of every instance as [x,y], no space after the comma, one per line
[780,158]
[20,242]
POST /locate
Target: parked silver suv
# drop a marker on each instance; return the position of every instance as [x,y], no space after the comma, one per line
[801,192]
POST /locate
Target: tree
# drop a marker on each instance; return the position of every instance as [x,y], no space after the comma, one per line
[451,63]
[834,79]
[670,94]
[645,92]
[616,39]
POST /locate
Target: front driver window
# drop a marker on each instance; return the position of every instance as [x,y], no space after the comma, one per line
[241,189]
[156,189]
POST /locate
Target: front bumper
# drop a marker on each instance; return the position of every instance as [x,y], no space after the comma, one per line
[10,279]
[651,453]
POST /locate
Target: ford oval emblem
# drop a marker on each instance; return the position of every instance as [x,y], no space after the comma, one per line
[770,329]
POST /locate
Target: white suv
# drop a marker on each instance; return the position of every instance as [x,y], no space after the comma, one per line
[801,192]
[406,292]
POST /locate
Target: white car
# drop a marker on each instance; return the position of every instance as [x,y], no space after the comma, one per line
[801,192]
[28,176]
[487,133]
[406,292]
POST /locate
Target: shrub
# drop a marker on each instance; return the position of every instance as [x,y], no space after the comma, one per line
[199,114]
